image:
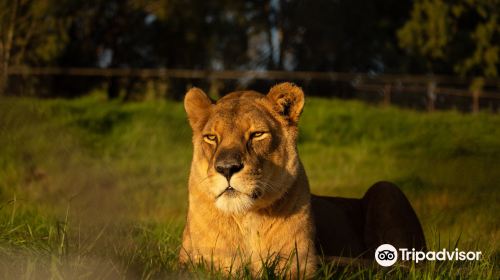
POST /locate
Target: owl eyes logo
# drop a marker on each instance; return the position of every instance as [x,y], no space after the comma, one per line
[386,255]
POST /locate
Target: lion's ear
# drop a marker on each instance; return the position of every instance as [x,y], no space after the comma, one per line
[287,100]
[197,106]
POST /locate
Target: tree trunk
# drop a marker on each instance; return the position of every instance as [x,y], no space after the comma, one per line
[3,74]
[6,49]
[270,24]
[3,70]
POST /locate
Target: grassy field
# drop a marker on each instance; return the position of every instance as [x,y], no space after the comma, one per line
[95,189]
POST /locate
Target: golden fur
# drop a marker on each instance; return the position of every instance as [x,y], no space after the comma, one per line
[249,199]
[261,210]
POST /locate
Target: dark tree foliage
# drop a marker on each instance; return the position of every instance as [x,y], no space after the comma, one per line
[386,36]
[460,37]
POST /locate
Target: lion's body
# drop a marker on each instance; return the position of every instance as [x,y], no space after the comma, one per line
[356,227]
[249,198]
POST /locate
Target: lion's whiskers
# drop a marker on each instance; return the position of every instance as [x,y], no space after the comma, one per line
[264,184]
[197,184]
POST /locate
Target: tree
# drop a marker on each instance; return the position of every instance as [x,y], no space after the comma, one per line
[7,24]
[460,37]
[31,32]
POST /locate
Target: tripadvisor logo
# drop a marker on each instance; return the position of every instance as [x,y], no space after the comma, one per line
[387,255]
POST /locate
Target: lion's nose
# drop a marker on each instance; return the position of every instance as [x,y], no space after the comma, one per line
[228,167]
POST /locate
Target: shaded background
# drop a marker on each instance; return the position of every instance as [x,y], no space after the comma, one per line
[94,166]
[452,38]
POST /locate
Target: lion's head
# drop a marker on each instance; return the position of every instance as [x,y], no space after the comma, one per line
[245,155]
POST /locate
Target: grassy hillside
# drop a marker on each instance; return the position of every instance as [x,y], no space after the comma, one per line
[97,189]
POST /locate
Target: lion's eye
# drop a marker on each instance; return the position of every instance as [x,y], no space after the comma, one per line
[258,135]
[210,138]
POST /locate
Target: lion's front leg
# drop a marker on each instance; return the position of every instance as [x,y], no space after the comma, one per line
[285,245]
[215,244]
[293,257]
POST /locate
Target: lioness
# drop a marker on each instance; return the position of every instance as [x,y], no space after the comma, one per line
[249,197]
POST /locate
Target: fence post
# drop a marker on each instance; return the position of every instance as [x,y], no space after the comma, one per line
[475,100]
[387,94]
[431,95]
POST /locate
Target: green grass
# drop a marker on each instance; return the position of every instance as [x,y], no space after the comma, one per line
[96,189]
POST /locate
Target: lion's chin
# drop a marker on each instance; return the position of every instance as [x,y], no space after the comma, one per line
[234,203]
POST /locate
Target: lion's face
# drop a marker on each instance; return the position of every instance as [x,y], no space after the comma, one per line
[245,155]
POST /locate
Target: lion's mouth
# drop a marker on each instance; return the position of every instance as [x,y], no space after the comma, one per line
[229,191]
[232,192]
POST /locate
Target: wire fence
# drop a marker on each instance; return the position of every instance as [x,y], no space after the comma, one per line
[386,85]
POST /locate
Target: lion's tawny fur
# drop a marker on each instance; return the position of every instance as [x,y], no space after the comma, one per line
[262,211]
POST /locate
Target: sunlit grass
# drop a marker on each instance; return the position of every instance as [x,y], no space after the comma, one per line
[97,189]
